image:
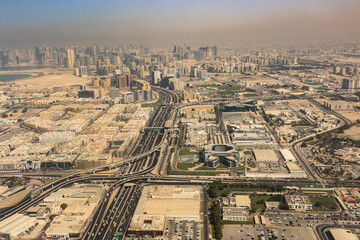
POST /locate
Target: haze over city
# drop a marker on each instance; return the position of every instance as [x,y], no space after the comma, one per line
[180,120]
[162,23]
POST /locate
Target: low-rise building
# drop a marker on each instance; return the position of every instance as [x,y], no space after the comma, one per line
[56,136]
[242,201]
[341,234]
[298,202]
[235,214]
[81,201]
[272,205]
[267,158]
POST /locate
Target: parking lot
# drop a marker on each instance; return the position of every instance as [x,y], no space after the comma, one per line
[296,220]
[248,232]
[183,230]
[284,227]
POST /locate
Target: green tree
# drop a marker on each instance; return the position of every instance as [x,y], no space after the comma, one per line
[283,204]
[63,206]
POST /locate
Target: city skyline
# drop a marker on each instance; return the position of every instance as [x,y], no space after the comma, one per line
[164,23]
[180,120]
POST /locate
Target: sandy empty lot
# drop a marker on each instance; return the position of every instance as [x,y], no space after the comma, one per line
[352,116]
[54,80]
[49,77]
[353,133]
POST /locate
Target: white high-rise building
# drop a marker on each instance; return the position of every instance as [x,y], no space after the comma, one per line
[156,77]
[83,71]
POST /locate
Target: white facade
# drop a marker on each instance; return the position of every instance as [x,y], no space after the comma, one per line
[56,137]
[156,77]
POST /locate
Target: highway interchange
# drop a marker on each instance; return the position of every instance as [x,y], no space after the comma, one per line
[145,163]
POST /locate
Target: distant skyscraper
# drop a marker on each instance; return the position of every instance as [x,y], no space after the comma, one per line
[39,56]
[117,61]
[70,57]
[83,71]
[4,58]
[124,81]
[214,51]
[17,59]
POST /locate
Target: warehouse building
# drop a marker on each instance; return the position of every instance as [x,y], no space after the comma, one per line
[19,225]
[287,155]
[161,203]
[341,234]
[267,159]
[81,201]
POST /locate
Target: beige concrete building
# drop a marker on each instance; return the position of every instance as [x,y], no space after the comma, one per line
[81,201]
[160,203]
[242,201]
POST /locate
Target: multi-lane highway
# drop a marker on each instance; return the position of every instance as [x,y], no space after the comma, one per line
[114,216]
[141,161]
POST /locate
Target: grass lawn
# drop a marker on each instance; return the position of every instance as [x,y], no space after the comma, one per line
[194,173]
[226,88]
[258,201]
[252,165]
[185,165]
[205,168]
[313,142]
[186,151]
[250,95]
[220,166]
[322,88]
[247,152]
[229,92]
[254,202]
[250,222]
[323,204]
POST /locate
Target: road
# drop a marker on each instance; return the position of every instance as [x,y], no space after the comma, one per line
[294,146]
[119,211]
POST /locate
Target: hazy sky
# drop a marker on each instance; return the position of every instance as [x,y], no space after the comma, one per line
[26,23]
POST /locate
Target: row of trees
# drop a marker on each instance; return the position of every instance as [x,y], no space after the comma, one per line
[215,219]
[217,188]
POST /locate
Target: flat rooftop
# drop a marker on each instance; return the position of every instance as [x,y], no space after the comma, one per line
[297,199]
[265,155]
[343,234]
[171,201]
[242,200]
